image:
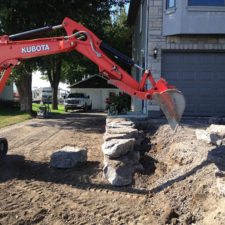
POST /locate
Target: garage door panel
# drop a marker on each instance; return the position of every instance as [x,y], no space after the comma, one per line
[219,59]
[189,75]
[219,76]
[205,108]
[189,59]
[190,107]
[220,92]
[173,76]
[201,77]
[205,92]
[188,92]
[205,76]
[206,59]
[220,108]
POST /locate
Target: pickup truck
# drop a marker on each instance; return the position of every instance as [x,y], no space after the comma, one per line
[78,101]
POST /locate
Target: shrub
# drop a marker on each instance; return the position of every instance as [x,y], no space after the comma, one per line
[120,102]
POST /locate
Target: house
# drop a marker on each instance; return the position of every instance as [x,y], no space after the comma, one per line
[97,88]
[182,41]
[7,93]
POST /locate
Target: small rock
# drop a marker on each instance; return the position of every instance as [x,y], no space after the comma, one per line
[68,157]
[220,183]
[117,147]
[202,135]
[220,180]
[219,173]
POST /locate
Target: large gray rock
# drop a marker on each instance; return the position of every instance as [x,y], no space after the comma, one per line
[214,134]
[108,137]
[123,130]
[118,147]
[68,157]
[119,172]
[218,129]
[120,124]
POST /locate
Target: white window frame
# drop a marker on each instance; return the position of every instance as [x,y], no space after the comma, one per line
[168,4]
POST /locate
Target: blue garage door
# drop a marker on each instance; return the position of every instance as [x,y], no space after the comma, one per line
[201,77]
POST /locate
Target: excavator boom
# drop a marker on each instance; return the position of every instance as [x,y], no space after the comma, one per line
[15,48]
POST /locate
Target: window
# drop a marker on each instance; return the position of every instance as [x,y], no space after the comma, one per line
[170,4]
[206,2]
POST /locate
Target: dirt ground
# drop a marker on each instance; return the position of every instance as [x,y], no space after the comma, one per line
[178,185]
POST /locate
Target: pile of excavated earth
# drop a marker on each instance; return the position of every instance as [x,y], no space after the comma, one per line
[184,172]
[118,172]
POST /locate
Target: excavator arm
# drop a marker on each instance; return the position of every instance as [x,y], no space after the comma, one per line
[15,48]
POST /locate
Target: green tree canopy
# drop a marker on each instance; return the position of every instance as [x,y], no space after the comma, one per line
[18,16]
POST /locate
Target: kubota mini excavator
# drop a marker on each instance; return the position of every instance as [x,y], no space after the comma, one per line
[15,48]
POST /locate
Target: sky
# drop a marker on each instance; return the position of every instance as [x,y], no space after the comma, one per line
[37,82]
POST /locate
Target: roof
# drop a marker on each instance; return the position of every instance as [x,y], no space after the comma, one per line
[95,81]
[133,10]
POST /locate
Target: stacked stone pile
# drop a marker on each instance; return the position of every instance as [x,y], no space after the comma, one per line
[121,161]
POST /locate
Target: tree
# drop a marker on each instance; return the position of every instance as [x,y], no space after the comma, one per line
[116,33]
[17,16]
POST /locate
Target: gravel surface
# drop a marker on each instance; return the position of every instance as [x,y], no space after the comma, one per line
[178,185]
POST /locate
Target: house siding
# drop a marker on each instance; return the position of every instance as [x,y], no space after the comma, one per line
[185,19]
[139,51]
[97,96]
[193,42]
[7,93]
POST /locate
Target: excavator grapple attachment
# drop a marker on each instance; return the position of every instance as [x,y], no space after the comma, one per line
[172,103]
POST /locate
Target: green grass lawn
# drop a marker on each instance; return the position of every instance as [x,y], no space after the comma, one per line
[9,116]
[52,111]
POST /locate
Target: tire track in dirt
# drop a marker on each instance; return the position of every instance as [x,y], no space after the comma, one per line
[95,205]
[39,198]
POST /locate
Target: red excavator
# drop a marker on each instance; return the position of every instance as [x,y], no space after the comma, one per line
[15,48]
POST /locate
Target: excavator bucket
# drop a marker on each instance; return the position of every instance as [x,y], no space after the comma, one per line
[172,103]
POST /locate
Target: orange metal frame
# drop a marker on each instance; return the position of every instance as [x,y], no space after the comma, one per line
[12,53]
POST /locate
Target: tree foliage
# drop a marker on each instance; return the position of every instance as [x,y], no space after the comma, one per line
[18,16]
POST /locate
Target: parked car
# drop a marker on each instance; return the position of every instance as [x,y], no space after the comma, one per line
[78,101]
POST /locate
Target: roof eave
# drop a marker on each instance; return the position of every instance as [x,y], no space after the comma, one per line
[133,10]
